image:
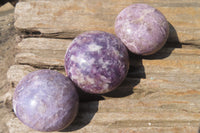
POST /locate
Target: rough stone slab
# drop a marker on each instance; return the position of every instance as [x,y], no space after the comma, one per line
[66,19]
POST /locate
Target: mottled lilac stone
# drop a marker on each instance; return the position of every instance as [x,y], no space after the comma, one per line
[45,100]
[97,62]
[142,28]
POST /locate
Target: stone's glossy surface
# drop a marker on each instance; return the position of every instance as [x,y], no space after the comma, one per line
[97,62]
[45,100]
[142,28]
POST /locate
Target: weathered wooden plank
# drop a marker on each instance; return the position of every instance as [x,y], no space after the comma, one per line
[15,126]
[35,59]
[149,107]
[66,19]
[183,69]
[55,58]
[100,129]
[17,72]
[161,92]
[111,115]
[42,52]
[49,49]
[181,65]
[44,44]
[137,105]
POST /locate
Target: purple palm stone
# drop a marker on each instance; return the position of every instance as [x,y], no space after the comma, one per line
[142,28]
[45,100]
[97,62]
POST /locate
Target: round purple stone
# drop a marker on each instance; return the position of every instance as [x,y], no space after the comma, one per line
[97,62]
[45,100]
[142,28]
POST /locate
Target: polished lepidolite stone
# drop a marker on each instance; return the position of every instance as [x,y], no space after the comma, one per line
[45,100]
[142,28]
[97,62]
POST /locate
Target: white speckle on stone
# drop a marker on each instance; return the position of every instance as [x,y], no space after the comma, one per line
[37,82]
[105,86]
[74,77]
[77,75]
[80,79]
[116,52]
[73,58]
[90,80]
[36,77]
[103,78]
[71,70]
[149,123]
[128,30]
[41,108]
[80,59]
[104,65]
[101,61]
[20,89]
[107,62]
[91,61]
[94,47]
[131,45]
[33,103]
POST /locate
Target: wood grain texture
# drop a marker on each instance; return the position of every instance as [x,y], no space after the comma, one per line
[154,104]
[42,52]
[168,64]
[66,19]
[15,126]
[160,93]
